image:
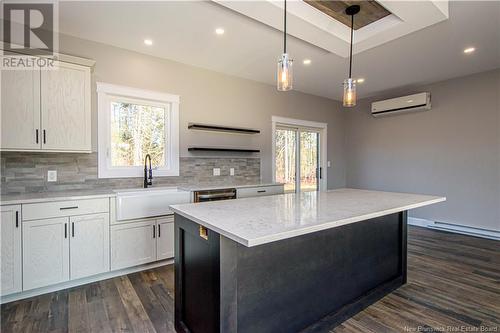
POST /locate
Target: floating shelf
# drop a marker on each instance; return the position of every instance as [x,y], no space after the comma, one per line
[236,150]
[227,129]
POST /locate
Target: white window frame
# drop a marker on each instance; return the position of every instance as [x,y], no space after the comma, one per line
[107,93]
[321,128]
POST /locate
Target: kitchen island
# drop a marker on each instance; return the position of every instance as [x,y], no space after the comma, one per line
[282,263]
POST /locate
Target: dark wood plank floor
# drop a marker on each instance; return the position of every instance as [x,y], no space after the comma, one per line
[453,284]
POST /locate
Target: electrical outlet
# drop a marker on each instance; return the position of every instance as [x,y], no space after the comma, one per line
[231,171]
[328,164]
[216,171]
[52,176]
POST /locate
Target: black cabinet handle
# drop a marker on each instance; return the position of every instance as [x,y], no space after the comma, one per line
[36,135]
[159,230]
[65,208]
[44,137]
[65,230]
[154,231]
[73,229]
[261,191]
[17,219]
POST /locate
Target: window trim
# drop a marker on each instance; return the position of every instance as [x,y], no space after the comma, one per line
[106,93]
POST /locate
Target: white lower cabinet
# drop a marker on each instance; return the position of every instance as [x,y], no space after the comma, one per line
[142,241]
[165,239]
[89,245]
[10,238]
[133,243]
[45,252]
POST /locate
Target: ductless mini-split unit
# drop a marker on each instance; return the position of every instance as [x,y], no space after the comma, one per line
[410,103]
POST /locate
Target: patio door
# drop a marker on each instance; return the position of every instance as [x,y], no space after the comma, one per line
[297,157]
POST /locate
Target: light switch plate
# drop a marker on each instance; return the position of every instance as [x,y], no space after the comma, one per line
[231,171]
[329,164]
[52,176]
[216,171]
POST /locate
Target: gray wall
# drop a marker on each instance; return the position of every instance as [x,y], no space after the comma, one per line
[451,150]
[210,97]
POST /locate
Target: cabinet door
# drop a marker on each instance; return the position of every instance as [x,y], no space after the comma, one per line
[20,109]
[65,105]
[10,237]
[89,245]
[165,239]
[133,244]
[45,252]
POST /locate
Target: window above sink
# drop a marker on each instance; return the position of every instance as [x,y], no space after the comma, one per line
[133,123]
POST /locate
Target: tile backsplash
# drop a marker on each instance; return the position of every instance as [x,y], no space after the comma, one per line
[23,172]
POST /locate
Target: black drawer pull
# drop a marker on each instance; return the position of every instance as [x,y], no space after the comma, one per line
[159,230]
[73,229]
[17,219]
[65,208]
[36,135]
[261,191]
[44,137]
[65,230]
[154,231]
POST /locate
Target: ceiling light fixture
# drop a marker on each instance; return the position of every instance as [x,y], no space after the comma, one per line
[350,83]
[285,73]
[360,80]
[219,31]
[469,50]
[306,61]
[148,42]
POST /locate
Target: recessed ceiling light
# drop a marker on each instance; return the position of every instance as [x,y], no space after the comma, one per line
[360,80]
[148,42]
[469,50]
[306,61]
[219,31]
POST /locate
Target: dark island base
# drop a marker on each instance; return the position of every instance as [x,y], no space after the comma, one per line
[301,283]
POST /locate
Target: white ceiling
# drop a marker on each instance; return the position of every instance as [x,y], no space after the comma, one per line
[184,32]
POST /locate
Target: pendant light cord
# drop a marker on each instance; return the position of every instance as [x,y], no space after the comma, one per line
[284,30]
[350,51]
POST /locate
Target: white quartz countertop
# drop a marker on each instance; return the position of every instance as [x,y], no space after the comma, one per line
[27,198]
[261,220]
[223,186]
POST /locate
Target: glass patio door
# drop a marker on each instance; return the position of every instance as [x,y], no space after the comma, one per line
[297,158]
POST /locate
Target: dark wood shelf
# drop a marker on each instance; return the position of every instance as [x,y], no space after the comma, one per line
[227,129]
[235,150]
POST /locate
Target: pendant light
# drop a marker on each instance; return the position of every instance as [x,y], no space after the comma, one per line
[350,83]
[285,72]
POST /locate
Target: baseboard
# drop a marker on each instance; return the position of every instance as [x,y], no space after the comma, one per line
[80,282]
[455,228]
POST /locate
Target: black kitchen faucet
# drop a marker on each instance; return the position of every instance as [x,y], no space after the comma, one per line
[148,181]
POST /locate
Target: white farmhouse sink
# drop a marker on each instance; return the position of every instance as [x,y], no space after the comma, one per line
[148,202]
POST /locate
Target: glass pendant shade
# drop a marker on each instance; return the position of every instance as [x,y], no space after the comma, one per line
[285,73]
[349,92]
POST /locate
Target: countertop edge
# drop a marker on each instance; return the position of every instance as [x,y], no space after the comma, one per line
[308,230]
[62,197]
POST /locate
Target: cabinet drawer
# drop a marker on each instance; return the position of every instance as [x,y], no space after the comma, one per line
[47,210]
[258,191]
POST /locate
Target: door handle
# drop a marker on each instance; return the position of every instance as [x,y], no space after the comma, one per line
[73,229]
[65,230]
[17,219]
[159,230]
[261,191]
[154,231]
[36,135]
[44,137]
[65,208]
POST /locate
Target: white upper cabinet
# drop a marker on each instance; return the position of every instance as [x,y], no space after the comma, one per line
[89,245]
[47,110]
[20,109]
[65,106]
[10,231]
